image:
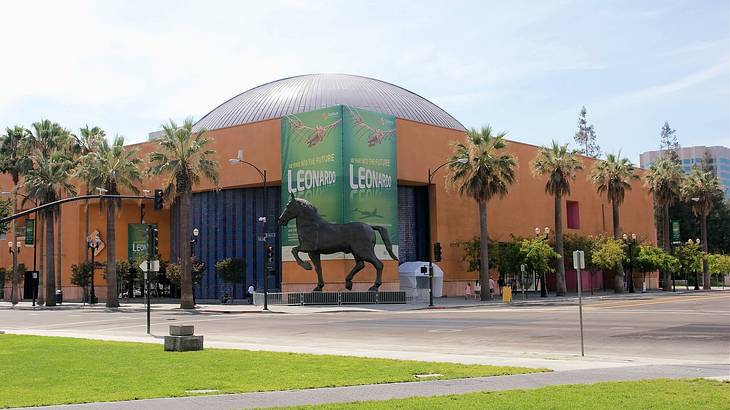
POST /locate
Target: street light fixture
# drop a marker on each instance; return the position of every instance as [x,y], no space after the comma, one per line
[431,242]
[237,161]
[196,233]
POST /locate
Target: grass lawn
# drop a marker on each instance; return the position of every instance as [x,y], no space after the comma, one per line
[649,394]
[53,370]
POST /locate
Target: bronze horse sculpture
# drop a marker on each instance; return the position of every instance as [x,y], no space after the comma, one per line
[317,237]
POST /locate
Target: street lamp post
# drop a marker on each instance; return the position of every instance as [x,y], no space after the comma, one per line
[630,241]
[15,259]
[239,160]
[92,243]
[430,233]
[196,233]
[544,236]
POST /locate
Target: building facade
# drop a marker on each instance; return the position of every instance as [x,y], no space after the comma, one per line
[227,216]
[717,160]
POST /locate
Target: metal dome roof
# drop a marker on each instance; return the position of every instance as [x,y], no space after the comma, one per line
[304,93]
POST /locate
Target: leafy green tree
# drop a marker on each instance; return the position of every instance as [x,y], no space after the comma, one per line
[614,176]
[81,275]
[607,254]
[538,255]
[129,273]
[585,137]
[701,188]
[114,168]
[664,181]
[719,265]
[689,255]
[183,156]
[575,242]
[231,270]
[487,173]
[560,165]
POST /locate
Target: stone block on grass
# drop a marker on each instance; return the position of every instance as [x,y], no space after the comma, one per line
[181,330]
[183,343]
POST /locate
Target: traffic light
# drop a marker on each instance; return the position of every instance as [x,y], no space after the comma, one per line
[159,199]
[154,241]
[437,251]
[270,257]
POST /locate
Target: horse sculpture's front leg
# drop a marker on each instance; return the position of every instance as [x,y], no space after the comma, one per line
[300,262]
[317,268]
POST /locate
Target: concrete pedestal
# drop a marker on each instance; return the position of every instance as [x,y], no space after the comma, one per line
[181,339]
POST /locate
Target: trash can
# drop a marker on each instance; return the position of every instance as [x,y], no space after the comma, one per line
[59,297]
[507,294]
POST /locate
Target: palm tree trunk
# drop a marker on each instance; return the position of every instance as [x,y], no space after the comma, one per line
[112,299]
[186,280]
[705,267]
[618,278]
[667,285]
[40,242]
[14,291]
[59,246]
[50,276]
[484,251]
[560,264]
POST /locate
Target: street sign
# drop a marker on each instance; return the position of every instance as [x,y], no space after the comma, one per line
[268,235]
[675,232]
[579,261]
[523,267]
[154,266]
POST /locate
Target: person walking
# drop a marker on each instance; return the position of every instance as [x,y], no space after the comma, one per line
[468,291]
[251,291]
[477,290]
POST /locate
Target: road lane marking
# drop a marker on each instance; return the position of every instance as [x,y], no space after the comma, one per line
[655,302]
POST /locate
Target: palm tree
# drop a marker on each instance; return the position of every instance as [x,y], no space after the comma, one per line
[14,161]
[560,165]
[183,157]
[113,168]
[488,172]
[702,188]
[43,182]
[613,176]
[664,180]
[86,142]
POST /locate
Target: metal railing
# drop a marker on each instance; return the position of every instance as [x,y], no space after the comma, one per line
[330,298]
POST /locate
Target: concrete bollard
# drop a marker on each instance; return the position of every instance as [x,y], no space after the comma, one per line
[182,339]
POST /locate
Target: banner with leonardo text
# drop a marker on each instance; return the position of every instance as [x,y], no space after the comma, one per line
[343,160]
[369,155]
[311,160]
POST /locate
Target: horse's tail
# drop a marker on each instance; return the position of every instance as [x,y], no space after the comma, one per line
[386,240]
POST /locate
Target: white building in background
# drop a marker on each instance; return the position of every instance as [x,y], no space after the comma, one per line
[718,161]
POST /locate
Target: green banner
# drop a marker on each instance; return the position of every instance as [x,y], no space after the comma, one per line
[675,232]
[343,160]
[30,232]
[137,242]
[311,159]
[369,155]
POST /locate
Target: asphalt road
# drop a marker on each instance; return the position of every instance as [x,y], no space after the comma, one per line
[669,329]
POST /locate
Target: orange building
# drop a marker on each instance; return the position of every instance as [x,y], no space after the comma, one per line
[251,121]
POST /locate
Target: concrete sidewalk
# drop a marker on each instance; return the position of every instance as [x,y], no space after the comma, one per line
[532,298]
[412,389]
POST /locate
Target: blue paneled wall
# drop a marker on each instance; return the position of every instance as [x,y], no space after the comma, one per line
[229,227]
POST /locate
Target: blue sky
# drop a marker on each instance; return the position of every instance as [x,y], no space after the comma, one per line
[524,67]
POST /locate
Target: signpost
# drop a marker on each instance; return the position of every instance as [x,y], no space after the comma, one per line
[580,263]
[522,269]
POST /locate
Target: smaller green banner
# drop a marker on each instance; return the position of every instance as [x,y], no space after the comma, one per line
[675,232]
[30,232]
[137,242]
